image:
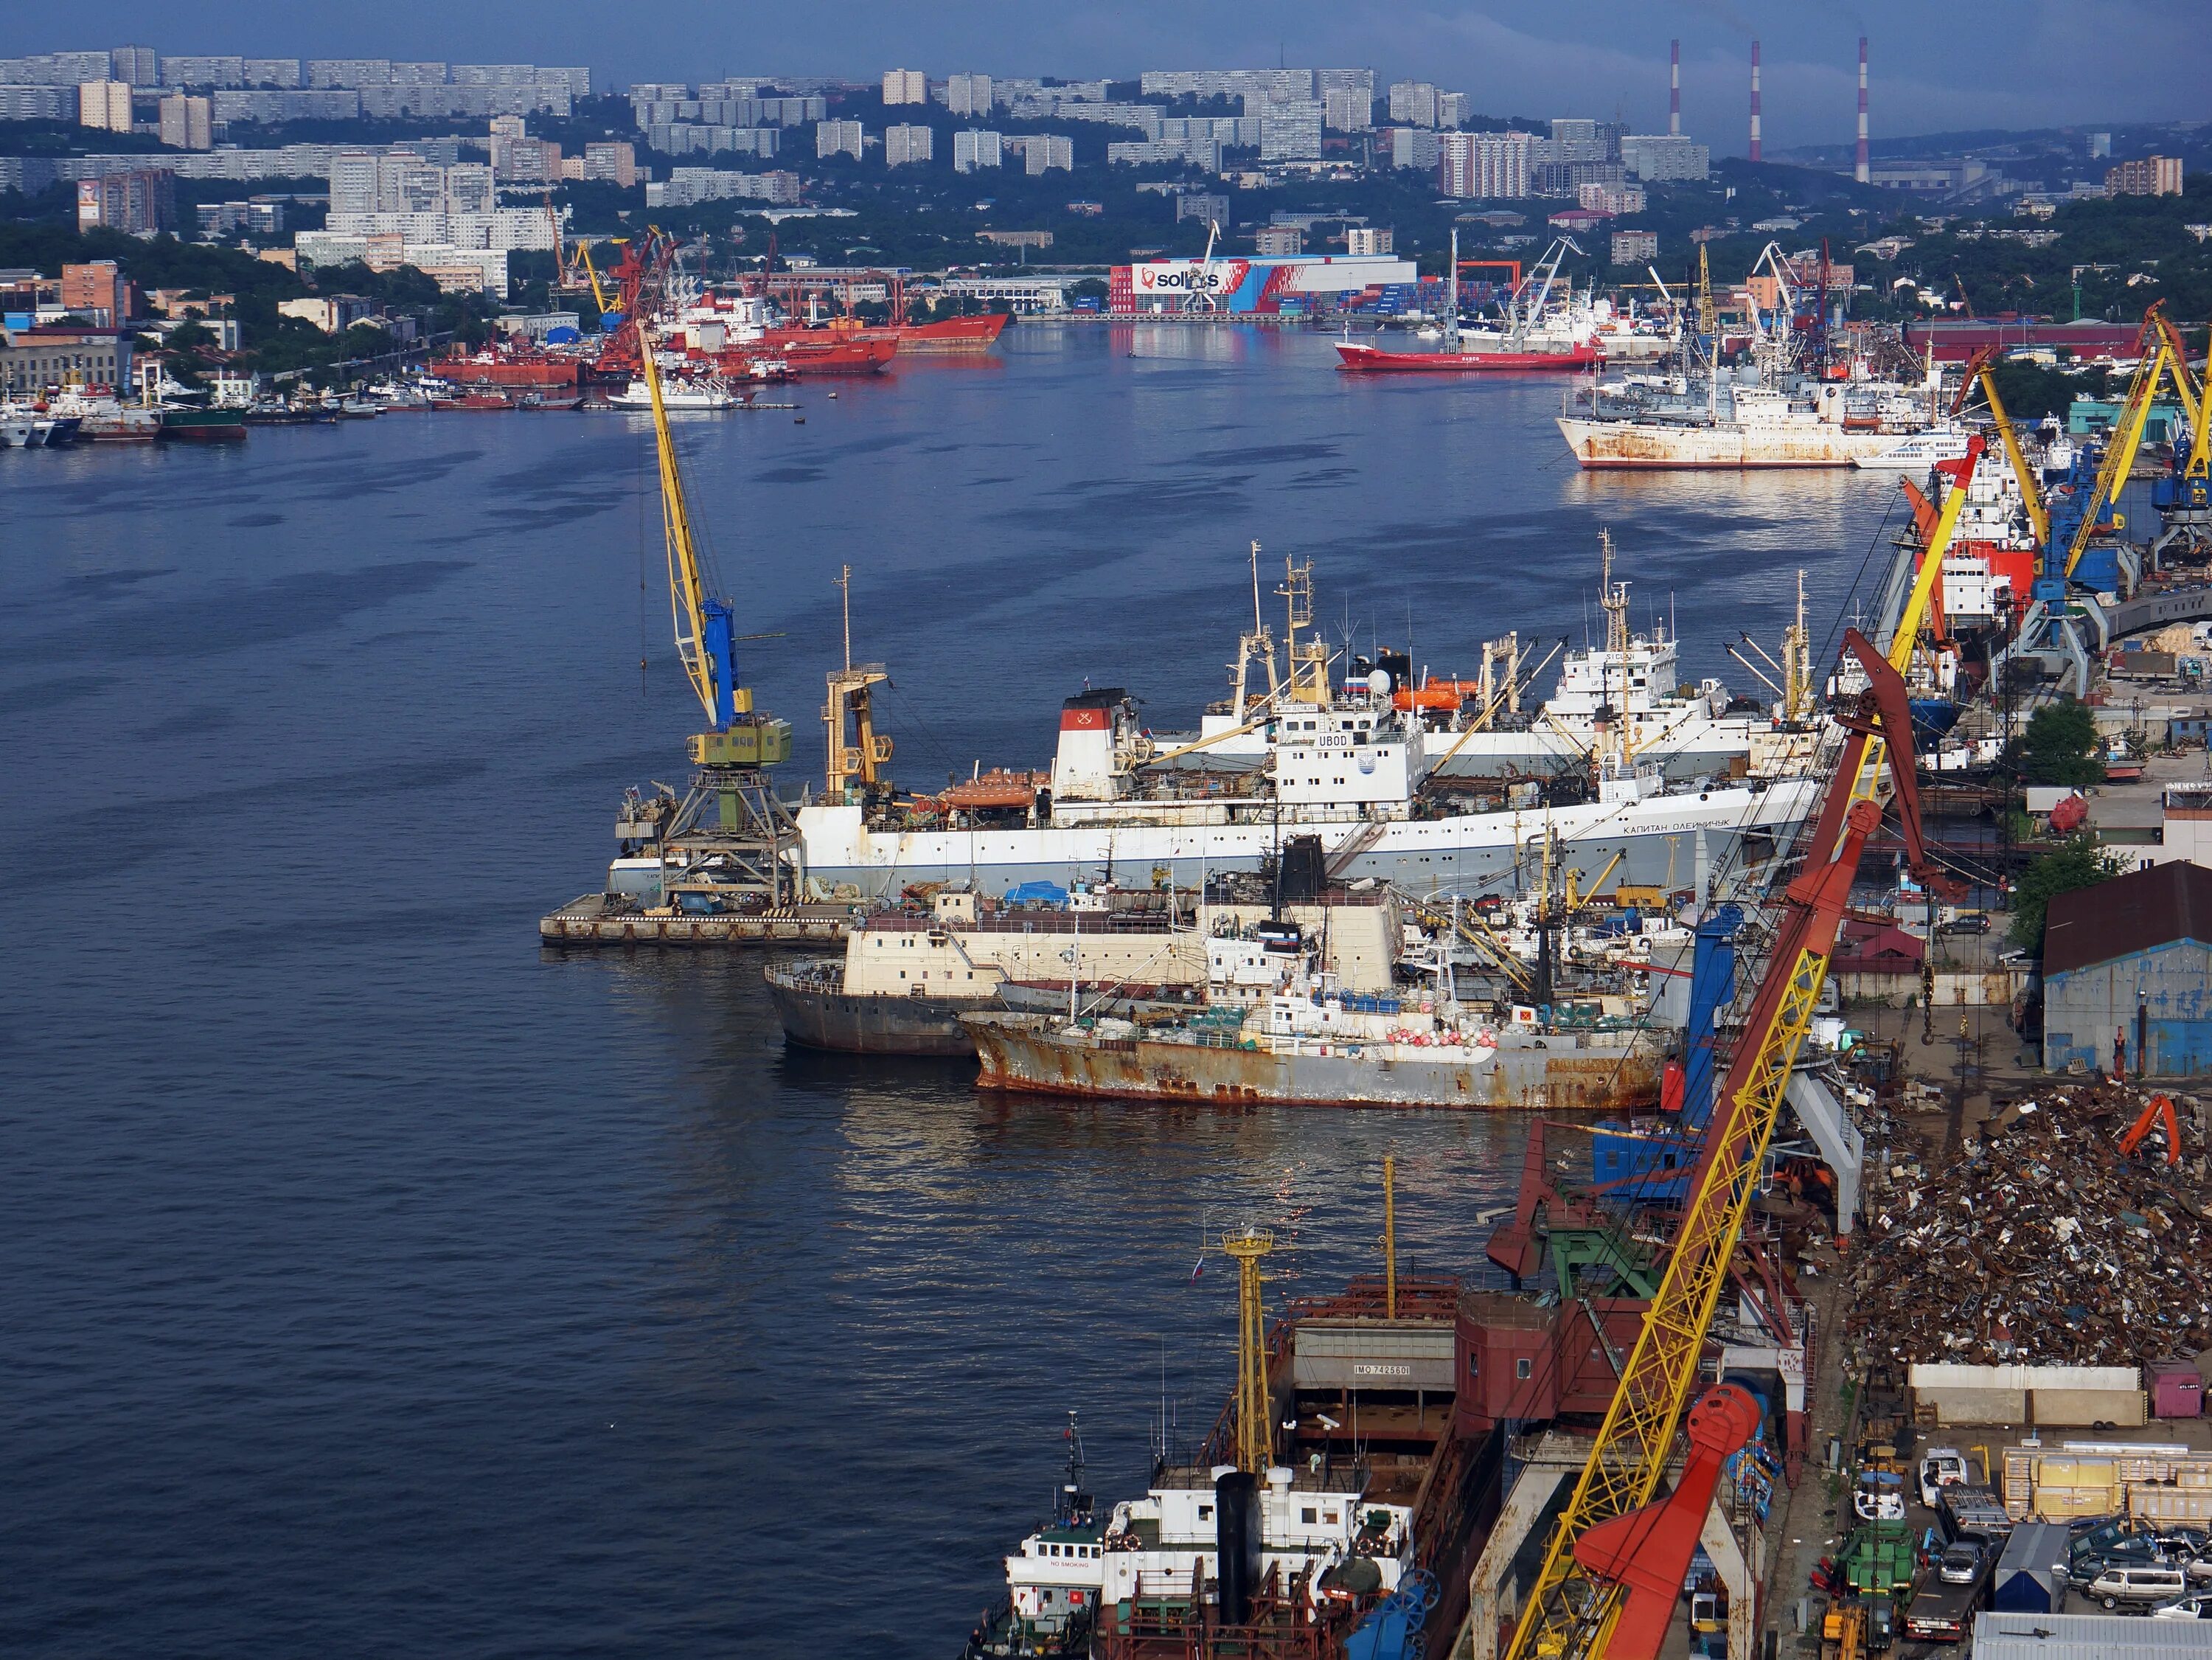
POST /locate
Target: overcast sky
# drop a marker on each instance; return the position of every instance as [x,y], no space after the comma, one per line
[1935,65]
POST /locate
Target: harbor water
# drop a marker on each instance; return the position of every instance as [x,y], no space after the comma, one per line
[374,1282]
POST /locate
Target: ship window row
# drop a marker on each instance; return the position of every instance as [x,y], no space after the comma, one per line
[1085,1552]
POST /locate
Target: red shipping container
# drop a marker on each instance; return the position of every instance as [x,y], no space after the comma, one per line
[2176,1390]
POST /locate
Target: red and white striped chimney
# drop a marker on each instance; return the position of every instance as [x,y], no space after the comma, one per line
[1674,89]
[1754,100]
[1859,166]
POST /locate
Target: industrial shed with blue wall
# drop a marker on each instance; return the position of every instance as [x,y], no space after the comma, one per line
[2131,958]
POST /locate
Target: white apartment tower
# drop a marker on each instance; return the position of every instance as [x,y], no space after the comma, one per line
[907,143]
[968,95]
[971,150]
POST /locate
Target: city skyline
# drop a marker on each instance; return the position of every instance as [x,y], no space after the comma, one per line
[2125,60]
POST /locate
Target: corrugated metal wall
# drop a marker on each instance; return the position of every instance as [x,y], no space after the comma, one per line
[2084,1008]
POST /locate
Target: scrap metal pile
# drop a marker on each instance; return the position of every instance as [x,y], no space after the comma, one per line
[2043,1243]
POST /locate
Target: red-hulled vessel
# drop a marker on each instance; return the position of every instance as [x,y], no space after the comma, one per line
[510,371]
[947,336]
[1357,355]
[819,352]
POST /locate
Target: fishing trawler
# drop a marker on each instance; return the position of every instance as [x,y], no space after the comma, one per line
[1534,333]
[1339,762]
[908,974]
[1280,1028]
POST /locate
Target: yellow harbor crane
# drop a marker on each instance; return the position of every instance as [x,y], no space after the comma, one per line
[753,844]
[1604,1588]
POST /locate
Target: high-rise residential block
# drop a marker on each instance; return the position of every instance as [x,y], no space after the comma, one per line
[905,144]
[137,66]
[140,203]
[971,150]
[104,105]
[611,163]
[905,87]
[187,122]
[838,138]
[968,95]
[1484,165]
[2154,175]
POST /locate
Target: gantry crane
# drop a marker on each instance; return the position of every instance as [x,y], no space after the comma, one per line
[1613,1565]
[754,843]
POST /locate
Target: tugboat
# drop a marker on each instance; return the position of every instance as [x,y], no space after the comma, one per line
[1335,1509]
[1054,1581]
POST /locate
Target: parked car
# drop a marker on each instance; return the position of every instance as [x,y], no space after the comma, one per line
[1961,1564]
[1976,923]
[2138,1585]
[2184,1607]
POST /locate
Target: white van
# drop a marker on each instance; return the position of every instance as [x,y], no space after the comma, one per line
[2116,1585]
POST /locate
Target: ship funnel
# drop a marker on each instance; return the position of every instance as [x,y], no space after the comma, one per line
[1082,767]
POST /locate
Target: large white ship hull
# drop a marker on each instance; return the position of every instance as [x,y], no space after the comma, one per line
[1661,444]
[1469,853]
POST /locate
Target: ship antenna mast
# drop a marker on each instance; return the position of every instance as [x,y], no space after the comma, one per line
[844,586]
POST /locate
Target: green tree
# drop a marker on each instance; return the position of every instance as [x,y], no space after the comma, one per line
[2060,746]
[2079,863]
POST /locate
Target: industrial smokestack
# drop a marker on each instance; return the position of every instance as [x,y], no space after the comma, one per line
[1674,89]
[1859,166]
[1754,100]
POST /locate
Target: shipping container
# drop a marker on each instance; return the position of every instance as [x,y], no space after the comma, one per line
[2177,1389]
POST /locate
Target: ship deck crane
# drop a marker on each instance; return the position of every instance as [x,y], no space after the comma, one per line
[1613,1564]
[754,841]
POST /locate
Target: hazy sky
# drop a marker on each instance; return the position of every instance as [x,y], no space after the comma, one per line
[1936,65]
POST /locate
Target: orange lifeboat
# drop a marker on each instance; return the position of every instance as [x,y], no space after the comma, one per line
[1436,694]
[998,789]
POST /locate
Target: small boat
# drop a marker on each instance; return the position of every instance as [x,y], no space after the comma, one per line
[704,394]
[201,425]
[1919,453]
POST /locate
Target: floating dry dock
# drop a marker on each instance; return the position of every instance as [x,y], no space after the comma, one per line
[593,919]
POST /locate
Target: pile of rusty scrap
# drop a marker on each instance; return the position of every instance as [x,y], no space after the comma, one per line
[2044,1242]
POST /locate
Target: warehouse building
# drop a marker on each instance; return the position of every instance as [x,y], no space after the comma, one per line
[2128,962]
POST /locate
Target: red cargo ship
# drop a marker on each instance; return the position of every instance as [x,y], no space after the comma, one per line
[513,371]
[819,352]
[1358,356]
[945,336]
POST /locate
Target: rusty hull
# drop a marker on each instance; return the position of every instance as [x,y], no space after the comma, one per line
[1025,1053]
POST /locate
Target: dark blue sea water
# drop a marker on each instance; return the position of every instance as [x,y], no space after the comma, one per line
[374,1283]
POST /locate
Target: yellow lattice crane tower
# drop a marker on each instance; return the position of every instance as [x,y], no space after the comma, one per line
[1255,1428]
[1613,1563]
